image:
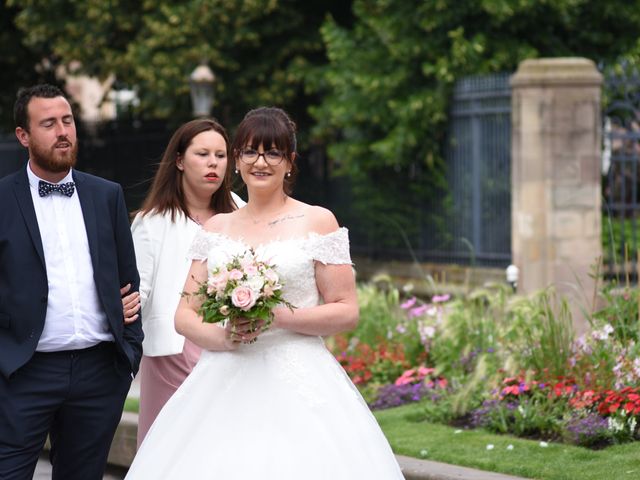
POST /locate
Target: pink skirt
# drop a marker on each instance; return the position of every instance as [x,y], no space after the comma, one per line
[160,377]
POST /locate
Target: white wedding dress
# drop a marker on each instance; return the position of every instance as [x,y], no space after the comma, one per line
[278,409]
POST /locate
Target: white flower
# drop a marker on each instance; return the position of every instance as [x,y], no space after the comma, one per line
[408,287]
[509,447]
[604,333]
[490,446]
[271,275]
[255,283]
[544,444]
[458,431]
[423,453]
[429,331]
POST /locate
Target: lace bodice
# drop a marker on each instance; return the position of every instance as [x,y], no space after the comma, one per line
[293,258]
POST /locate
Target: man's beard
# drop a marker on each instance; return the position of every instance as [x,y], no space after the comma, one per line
[53,161]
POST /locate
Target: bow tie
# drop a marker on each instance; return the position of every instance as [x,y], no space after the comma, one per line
[45,188]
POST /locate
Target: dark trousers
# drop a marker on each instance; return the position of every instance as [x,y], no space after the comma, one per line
[76,397]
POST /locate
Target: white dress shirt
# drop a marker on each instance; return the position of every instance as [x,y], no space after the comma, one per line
[75,318]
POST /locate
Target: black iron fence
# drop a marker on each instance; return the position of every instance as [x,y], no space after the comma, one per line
[469,223]
[479,170]
[621,153]
[124,152]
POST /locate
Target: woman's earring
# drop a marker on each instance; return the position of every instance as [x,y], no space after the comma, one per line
[288,174]
[236,170]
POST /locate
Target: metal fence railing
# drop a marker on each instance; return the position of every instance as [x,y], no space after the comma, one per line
[478,158]
[621,193]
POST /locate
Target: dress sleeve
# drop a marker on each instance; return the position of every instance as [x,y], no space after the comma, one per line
[332,248]
[199,249]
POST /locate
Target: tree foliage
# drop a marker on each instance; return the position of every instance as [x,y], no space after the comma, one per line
[257,48]
[385,90]
[375,75]
[19,64]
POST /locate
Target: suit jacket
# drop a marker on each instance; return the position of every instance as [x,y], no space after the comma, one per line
[23,274]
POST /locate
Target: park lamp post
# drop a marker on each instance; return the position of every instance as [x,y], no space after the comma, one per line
[512,273]
[201,83]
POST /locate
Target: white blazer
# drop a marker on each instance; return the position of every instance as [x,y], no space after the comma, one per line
[161,253]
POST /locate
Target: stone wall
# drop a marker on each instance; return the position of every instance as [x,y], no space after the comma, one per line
[556,190]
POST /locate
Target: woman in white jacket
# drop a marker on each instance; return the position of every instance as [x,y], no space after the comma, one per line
[191,185]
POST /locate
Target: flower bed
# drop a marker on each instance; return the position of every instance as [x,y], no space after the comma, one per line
[504,363]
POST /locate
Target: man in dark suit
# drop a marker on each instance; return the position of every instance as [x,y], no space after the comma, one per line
[66,355]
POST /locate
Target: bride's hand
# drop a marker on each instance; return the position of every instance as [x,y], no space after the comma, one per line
[242,330]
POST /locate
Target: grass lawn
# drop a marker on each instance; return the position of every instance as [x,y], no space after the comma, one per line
[132,405]
[526,459]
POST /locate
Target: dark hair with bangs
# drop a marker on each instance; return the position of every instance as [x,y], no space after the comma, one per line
[270,127]
[166,193]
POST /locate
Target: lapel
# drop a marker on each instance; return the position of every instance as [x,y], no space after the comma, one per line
[85,195]
[25,203]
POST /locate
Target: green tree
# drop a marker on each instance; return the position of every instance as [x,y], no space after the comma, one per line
[385,91]
[21,66]
[258,49]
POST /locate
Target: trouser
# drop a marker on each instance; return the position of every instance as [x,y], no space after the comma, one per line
[76,397]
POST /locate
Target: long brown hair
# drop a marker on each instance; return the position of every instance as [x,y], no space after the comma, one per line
[166,193]
[270,127]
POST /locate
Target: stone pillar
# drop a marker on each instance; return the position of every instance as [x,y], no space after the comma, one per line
[556,190]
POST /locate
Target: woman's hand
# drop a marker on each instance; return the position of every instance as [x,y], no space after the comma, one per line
[130,304]
[242,330]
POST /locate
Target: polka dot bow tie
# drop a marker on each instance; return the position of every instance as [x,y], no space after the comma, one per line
[45,188]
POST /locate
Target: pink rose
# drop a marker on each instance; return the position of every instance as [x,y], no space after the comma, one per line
[251,270]
[235,274]
[246,261]
[243,297]
[218,282]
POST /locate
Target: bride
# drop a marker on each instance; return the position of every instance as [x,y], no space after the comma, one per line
[270,404]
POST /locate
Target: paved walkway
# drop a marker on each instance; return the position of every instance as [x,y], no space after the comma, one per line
[43,471]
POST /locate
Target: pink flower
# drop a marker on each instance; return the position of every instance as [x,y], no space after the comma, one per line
[235,274]
[268,291]
[408,303]
[246,261]
[440,298]
[417,311]
[243,297]
[271,275]
[251,270]
[218,282]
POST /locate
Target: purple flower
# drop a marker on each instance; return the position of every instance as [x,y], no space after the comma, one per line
[417,311]
[408,303]
[588,430]
[440,298]
[395,395]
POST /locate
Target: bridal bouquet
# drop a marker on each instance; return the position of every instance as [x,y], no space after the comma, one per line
[244,287]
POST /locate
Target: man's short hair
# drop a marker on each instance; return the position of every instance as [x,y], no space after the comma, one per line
[24,96]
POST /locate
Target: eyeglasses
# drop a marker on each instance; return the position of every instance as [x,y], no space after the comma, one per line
[272,157]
